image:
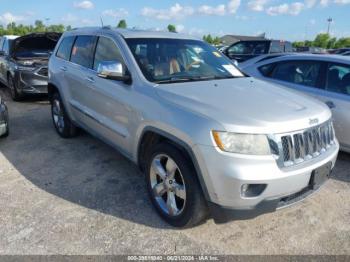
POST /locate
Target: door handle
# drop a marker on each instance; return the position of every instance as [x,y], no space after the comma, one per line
[90,79]
[330,104]
[63,68]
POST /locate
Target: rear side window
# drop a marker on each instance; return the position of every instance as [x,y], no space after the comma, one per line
[82,52]
[65,48]
[106,50]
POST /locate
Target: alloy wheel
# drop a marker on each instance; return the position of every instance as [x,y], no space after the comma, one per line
[58,116]
[168,185]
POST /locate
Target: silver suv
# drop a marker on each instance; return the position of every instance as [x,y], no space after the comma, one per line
[208,138]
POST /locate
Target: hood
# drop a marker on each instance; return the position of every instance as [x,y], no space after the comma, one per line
[26,45]
[247,105]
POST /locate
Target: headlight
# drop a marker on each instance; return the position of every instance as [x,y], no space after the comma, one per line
[242,143]
[26,63]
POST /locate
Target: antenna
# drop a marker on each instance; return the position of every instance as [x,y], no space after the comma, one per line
[101,21]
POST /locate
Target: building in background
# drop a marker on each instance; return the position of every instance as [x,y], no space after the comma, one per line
[231,39]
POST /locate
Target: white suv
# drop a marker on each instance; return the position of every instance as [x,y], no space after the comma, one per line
[207,137]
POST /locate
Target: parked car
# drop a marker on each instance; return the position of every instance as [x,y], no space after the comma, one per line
[205,135]
[340,51]
[23,63]
[326,78]
[245,50]
[311,50]
[4,126]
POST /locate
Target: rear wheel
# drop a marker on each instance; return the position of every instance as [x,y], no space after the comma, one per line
[173,187]
[15,95]
[63,125]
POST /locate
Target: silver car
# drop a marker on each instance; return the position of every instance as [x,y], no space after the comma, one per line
[325,77]
[207,137]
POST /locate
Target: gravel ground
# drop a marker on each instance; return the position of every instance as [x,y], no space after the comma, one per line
[79,196]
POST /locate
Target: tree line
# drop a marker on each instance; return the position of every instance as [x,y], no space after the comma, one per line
[321,40]
[325,41]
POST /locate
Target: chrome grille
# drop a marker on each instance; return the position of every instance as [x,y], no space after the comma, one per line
[297,147]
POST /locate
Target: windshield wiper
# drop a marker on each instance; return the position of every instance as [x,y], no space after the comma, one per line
[192,79]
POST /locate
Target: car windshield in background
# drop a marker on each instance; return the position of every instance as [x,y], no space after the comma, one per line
[176,60]
[250,48]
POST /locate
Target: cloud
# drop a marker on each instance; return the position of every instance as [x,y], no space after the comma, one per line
[176,11]
[209,10]
[180,28]
[342,2]
[286,9]
[233,5]
[8,17]
[84,5]
[117,13]
[69,18]
[257,5]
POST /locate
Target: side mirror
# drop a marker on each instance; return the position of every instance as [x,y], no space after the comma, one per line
[113,70]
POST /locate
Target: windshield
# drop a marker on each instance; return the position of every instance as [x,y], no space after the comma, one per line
[178,60]
[250,48]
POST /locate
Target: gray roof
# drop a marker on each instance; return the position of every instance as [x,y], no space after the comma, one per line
[131,33]
[244,37]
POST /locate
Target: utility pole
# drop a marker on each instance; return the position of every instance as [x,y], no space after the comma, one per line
[329,20]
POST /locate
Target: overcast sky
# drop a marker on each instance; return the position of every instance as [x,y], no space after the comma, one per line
[282,19]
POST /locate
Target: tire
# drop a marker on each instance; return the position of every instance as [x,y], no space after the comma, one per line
[15,95]
[62,123]
[174,188]
[7,132]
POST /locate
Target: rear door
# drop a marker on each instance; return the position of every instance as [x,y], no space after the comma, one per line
[80,76]
[59,66]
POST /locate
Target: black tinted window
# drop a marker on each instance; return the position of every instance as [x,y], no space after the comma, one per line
[82,51]
[299,72]
[106,50]
[65,48]
[249,48]
[266,70]
[338,78]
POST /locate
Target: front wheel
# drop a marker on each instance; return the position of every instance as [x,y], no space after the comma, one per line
[63,125]
[15,94]
[174,188]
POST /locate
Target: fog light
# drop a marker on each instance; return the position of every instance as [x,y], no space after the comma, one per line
[252,190]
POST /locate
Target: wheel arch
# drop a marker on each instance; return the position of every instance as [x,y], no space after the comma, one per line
[151,136]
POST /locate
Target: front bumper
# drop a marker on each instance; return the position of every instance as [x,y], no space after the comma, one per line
[32,82]
[224,174]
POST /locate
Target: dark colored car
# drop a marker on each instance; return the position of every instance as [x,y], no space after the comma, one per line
[340,51]
[24,62]
[245,50]
[4,126]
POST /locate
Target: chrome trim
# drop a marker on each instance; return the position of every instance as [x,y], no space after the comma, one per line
[303,145]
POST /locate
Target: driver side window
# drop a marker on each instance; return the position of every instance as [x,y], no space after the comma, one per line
[304,73]
[106,50]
